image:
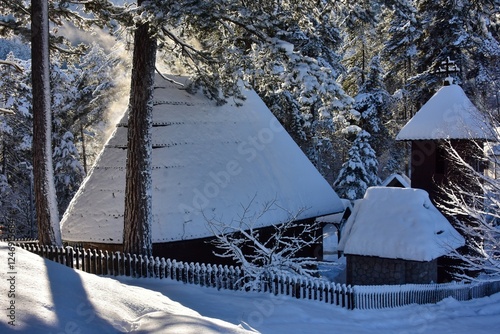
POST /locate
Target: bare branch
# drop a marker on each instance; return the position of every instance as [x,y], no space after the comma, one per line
[9,63]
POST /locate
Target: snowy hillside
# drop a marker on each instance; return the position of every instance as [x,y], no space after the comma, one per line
[50,298]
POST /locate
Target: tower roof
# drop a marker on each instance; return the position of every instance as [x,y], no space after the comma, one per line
[209,162]
[449,114]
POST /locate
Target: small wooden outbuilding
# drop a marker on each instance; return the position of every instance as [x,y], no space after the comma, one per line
[395,236]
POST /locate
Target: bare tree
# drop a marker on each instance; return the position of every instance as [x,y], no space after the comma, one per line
[260,255]
[138,215]
[474,206]
[44,188]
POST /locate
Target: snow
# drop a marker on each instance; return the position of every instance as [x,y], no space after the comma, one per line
[50,298]
[398,223]
[449,114]
[208,163]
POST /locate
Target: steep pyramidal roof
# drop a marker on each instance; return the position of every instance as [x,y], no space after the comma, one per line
[449,114]
[208,162]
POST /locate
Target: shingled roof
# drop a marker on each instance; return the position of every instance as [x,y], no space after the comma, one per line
[209,162]
[449,114]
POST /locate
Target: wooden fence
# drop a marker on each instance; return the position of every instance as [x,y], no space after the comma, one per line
[231,278]
[388,296]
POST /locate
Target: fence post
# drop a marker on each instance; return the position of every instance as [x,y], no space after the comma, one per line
[116,263]
[144,266]
[105,263]
[69,257]
[156,267]
[139,265]
[151,266]
[203,275]
[196,274]
[94,261]
[127,264]
[163,264]
[77,258]
[168,269]
[89,259]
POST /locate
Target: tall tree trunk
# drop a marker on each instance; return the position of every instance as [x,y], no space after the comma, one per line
[84,149]
[45,194]
[138,199]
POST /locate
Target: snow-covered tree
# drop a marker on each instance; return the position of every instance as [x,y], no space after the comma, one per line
[372,103]
[360,171]
[16,197]
[285,50]
[474,207]
[99,85]
[79,94]
[464,32]
[399,30]
[264,254]
[68,170]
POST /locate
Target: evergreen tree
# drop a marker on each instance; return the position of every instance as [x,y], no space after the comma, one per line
[71,104]
[68,171]
[138,214]
[372,101]
[400,30]
[360,170]
[45,196]
[285,50]
[462,31]
[16,197]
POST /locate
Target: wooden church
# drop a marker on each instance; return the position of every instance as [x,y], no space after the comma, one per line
[210,164]
[447,120]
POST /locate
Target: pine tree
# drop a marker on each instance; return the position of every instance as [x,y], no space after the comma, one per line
[79,95]
[138,214]
[400,30]
[285,50]
[372,102]
[45,194]
[462,31]
[360,170]
[16,197]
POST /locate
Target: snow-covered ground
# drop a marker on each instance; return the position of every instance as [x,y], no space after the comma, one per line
[50,298]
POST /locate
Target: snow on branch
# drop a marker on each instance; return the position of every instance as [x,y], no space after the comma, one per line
[263,254]
[10,63]
[474,205]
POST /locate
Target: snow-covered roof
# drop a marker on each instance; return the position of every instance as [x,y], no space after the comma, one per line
[400,179]
[449,114]
[398,223]
[209,162]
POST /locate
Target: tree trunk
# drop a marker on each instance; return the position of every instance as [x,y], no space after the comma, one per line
[45,195]
[138,199]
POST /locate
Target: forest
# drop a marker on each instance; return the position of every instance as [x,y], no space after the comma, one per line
[343,77]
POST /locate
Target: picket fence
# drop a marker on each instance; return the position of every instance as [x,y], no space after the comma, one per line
[231,277]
